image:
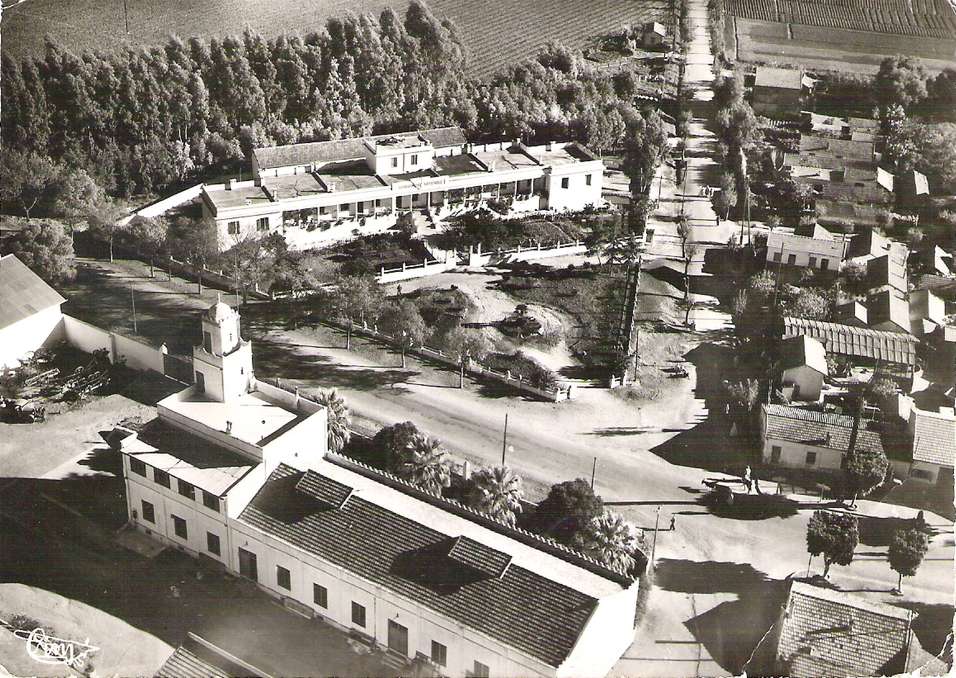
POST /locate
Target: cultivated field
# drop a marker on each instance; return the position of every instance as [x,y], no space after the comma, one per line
[820,49]
[924,18]
[848,35]
[496,32]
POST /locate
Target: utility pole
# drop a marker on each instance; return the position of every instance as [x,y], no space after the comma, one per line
[126,15]
[132,298]
[657,521]
[504,441]
[593,470]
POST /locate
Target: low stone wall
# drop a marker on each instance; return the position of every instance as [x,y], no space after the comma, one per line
[422,270]
[473,368]
[478,258]
[137,354]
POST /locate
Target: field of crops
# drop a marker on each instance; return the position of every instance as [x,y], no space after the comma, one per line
[496,32]
[823,49]
[922,18]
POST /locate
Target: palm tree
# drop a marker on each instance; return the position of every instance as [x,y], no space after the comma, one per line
[496,491]
[422,463]
[610,540]
[339,418]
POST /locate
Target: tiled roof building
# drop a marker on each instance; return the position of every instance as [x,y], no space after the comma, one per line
[829,633]
[822,429]
[235,470]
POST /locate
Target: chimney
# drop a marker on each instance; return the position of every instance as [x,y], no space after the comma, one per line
[228,427]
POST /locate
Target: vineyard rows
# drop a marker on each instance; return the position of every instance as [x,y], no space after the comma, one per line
[923,18]
[496,32]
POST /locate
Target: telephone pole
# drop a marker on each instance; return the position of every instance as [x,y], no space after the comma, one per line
[657,521]
[504,441]
[132,298]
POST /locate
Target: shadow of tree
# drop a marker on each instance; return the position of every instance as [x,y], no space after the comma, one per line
[933,627]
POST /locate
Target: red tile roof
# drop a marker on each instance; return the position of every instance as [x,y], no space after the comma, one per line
[522,609]
[820,429]
[934,438]
[831,633]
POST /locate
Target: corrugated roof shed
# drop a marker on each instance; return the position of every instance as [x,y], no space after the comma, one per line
[185,663]
[344,149]
[831,633]
[521,609]
[934,438]
[820,429]
[860,342]
[22,292]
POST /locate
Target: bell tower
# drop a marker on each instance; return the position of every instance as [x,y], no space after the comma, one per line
[223,363]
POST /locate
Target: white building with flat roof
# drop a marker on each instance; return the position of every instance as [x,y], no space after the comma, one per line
[814,248]
[333,190]
[243,478]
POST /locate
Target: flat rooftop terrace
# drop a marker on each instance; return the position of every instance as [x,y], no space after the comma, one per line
[251,418]
[188,457]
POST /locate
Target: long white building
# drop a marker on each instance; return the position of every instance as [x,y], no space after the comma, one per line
[243,477]
[332,190]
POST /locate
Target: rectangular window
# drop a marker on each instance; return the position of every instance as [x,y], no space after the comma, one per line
[394,162]
[413,159]
[775,453]
[358,614]
[262,224]
[207,342]
[148,513]
[179,527]
[378,202]
[824,264]
[439,653]
[344,207]
[791,259]
[210,501]
[160,477]
[811,458]
[565,182]
[320,596]
[914,473]
[137,467]
[233,227]
[323,210]
[361,207]
[481,670]
[587,180]
[212,543]
[283,578]
[813,262]
[776,256]
[186,489]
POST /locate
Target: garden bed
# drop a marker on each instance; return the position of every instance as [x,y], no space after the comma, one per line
[582,293]
[492,233]
[371,253]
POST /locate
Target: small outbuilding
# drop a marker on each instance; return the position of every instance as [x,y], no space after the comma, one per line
[804,367]
[30,315]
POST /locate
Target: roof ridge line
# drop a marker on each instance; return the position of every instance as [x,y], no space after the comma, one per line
[587,562]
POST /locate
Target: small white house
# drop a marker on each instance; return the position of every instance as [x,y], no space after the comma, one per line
[933,435]
[804,367]
[815,248]
[795,437]
[30,314]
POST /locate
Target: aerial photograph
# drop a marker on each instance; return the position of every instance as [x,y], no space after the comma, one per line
[447,338]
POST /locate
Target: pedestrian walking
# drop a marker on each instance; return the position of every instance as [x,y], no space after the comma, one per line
[673,521]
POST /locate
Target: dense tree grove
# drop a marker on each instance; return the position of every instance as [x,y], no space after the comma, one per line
[141,120]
